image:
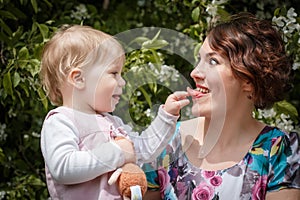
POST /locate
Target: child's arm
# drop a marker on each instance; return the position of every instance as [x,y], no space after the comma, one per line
[151,142]
[175,102]
[63,158]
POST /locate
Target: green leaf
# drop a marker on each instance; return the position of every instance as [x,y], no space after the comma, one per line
[23,53]
[5,27]
[43,97]
[32,180]
[146,95]
[20,98]
[33,67]
[5,39]
[277,11]
[34,5]
[16,11]
[44,30]
[7,14]
[16,79]
[287,108]
[139,40]
[7,84]
[48,3]
[156,57]
[196,49]
[156,44]
[22,64]
[156,36]
[25,89]
[2,156]
[16,35]
[92,8]
[196,14]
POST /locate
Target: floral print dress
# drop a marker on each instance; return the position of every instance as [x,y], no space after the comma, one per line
[271,164]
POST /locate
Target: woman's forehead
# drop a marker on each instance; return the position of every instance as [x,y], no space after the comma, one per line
[205,48]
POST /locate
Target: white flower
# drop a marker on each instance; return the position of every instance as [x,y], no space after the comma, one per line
[183,50]
[267,113]
[296,65]
[3,135]
[138,93]
[80,12]
[284,122]
[35,134]
[219,2]
[212,10]
[148,112]
[291,14]
[279,21]
[2,194]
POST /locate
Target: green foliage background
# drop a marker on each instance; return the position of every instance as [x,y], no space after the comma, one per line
[26,25]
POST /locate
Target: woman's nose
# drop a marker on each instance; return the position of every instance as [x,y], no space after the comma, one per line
[197,73]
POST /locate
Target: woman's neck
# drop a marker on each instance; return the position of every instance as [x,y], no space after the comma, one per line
[220,135]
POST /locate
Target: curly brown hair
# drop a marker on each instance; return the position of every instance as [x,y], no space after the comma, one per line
[257,55]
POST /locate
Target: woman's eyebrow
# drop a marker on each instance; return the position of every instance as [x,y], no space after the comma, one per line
[211,54]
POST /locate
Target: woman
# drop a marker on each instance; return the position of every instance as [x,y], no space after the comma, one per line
[225,153]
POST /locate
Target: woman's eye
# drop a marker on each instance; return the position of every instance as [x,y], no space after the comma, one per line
[213,61]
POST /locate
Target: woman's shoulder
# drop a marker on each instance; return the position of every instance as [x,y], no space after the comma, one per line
[271,134]
[277,142]
[283,157]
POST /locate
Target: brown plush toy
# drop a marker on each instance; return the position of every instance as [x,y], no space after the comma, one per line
[130,177]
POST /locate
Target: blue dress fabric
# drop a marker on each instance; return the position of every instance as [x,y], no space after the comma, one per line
[271,164]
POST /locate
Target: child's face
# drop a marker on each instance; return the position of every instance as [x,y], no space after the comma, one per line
[104,82]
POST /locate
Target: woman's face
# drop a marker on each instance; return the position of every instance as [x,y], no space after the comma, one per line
[217,90]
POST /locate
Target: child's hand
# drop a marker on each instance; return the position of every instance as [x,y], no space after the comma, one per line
[128,149]
[176,101]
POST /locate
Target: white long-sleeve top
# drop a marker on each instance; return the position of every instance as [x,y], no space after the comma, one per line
[80,153]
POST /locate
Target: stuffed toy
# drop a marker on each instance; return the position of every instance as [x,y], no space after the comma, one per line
[130,179]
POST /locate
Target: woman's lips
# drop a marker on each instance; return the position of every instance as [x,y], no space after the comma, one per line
[198,92]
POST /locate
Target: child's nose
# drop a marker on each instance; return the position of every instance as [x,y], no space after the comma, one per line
[122,82]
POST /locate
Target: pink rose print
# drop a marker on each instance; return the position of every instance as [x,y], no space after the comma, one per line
[164,180]
[208,174]
[259,189]
[216,180]
[203,192]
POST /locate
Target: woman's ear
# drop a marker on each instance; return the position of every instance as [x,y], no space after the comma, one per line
[247,86]
[76,78]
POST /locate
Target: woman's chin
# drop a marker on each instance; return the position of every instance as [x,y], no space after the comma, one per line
[199,111]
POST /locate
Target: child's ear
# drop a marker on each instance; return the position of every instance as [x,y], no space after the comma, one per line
[76,78]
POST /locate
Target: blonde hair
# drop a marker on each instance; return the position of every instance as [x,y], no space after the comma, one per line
[72,46]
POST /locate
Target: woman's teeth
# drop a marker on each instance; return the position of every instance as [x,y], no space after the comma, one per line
[202,90]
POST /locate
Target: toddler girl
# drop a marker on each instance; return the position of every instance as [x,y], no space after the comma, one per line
[81,73]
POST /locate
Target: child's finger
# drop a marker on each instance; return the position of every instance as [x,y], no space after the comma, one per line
[180,95]
[183,102]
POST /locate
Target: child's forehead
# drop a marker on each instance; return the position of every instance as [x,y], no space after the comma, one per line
[110,55]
